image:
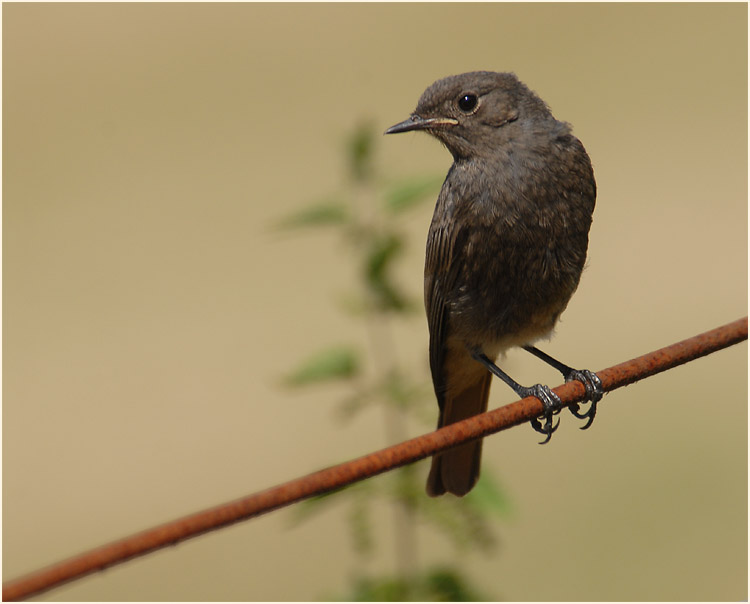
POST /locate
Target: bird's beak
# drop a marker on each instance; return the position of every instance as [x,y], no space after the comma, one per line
[416,122]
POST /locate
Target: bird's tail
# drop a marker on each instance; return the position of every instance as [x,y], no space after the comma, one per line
[457,470]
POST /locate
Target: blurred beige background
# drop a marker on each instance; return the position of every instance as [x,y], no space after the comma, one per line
[149,310]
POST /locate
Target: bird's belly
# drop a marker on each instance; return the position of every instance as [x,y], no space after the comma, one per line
[510,309]
[505,325]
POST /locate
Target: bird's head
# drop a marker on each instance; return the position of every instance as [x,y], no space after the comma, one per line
[471,112]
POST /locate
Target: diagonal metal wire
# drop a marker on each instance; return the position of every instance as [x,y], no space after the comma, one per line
[363,467]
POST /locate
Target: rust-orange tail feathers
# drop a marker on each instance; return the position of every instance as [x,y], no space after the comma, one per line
[457,470]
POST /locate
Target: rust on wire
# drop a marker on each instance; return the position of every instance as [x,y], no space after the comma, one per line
[369,465]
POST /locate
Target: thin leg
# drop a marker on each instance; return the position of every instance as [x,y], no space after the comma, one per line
[552,403]
[589,379]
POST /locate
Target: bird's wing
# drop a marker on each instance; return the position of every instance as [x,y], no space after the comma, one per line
[441,273]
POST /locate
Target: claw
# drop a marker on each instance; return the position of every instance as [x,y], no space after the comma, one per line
[552,405]
[590,414]
[547,429]
[594,392]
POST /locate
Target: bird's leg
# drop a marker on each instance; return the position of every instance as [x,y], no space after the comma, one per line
[589,379]
[551,402]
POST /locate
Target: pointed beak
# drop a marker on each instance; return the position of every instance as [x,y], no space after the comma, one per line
[421,123]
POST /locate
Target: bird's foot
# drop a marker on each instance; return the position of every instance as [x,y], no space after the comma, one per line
[552,406]
[594,392]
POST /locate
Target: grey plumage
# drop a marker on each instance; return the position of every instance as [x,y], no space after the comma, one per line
[507,242]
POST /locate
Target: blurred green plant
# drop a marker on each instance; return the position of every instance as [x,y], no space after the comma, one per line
[436,585]
[366,215]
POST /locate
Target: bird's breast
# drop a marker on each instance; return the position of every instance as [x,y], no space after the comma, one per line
[518,251]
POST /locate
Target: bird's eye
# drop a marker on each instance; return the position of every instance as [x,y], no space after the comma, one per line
[468,102]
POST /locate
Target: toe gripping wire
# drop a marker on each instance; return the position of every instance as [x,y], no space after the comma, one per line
[551,402]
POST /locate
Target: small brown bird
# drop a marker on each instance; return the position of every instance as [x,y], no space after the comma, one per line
[505,249]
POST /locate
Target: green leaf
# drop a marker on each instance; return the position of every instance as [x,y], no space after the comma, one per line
[449,585]
[379,258]
[441,584]
[489,496]
[383,250]
[332,364]
[360,147]
[323,213]
[404,195]
[387,589]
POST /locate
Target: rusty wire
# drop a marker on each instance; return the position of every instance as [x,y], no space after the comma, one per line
[363,467]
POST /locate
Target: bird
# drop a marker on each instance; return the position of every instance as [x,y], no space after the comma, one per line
[505,250]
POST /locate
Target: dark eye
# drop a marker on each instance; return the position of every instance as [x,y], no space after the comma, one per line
[468,102]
